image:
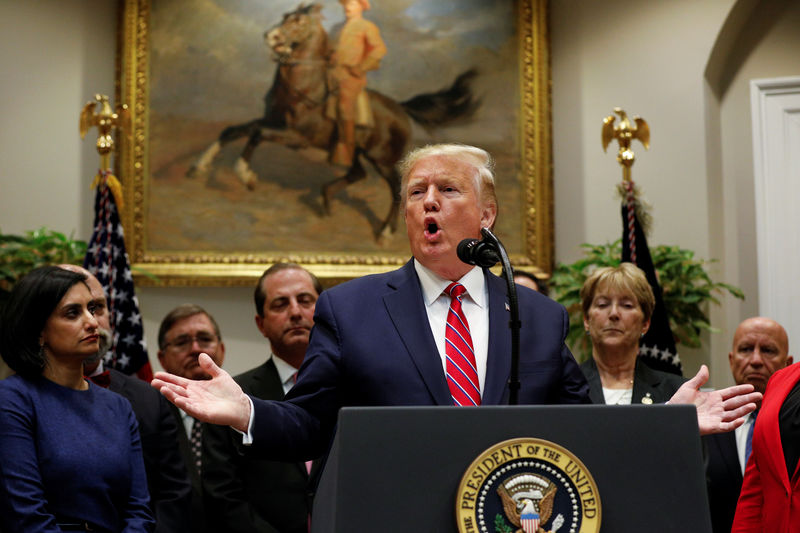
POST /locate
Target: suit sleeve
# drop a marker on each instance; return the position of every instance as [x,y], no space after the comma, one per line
[171,489]
[574,387]
[751,500]
[224,490]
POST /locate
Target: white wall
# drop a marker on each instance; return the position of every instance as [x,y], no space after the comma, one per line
[55,54]
[772,52]
[648,58]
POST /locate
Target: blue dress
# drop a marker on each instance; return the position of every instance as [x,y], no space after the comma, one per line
[69,456]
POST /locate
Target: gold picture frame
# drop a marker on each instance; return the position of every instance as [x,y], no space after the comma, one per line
[207,266]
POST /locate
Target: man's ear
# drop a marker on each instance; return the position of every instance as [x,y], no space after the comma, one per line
[488,216]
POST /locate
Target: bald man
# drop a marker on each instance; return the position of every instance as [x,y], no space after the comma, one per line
[760,348]
[167,477]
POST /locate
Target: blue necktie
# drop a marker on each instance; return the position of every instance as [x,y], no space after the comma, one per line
[748,447]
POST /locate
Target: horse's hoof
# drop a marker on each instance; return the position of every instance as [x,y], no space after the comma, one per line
[192,172]
[251,185]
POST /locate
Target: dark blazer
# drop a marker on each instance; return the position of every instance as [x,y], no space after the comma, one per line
[167,479]
[647,383]
[372,346]
[723,479]
[196,519]
[770,497]
[246,494]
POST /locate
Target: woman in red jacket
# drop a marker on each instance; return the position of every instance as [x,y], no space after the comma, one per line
[770,497]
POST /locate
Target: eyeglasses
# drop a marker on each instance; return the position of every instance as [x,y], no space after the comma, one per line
[184,342]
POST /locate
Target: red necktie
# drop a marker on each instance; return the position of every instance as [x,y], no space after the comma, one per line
[462,373]
[103,379]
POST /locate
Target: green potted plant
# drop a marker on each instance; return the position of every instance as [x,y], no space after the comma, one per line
[21,253]
[686,285]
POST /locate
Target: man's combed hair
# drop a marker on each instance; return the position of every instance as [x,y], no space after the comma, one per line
[33,299]
[477,157]
[179,313]
[260,296]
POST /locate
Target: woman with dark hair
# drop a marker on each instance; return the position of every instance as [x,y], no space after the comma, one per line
[70,455]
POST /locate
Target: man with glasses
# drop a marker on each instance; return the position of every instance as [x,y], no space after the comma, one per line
[185,333]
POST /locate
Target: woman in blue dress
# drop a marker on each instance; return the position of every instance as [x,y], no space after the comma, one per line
[70,455]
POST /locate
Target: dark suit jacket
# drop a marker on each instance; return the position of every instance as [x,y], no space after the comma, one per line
[196,519]
[167,479]
[372,346]
[770,497]
[247,494]
[723,479]
[647,383]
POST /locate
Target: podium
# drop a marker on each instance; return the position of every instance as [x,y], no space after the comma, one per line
[398,469]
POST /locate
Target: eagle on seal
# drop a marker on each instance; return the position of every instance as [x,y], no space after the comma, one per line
[519,502]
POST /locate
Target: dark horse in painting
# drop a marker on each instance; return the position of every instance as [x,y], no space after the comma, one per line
[295,114]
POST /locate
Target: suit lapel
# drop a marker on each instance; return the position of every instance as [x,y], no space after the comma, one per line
[595,386]
[498,358]
[406,308]
[644,383]
[266,383]
[727,446]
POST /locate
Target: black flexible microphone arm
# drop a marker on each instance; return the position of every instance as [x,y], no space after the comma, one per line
[514,324]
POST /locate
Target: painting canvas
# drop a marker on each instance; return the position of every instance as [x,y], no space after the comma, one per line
[198,69]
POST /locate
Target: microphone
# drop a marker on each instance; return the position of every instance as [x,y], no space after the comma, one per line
[474,252]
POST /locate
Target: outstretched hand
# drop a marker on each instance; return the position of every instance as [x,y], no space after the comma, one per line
[718,411]
[218,400]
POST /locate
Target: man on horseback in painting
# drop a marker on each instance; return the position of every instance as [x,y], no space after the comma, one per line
[359,49]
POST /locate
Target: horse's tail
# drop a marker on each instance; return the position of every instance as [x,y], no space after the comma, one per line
[446,106]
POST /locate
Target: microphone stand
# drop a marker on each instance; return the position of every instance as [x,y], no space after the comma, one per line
[514,324]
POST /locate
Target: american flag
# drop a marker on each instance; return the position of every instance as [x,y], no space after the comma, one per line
[657,347]
[107,259]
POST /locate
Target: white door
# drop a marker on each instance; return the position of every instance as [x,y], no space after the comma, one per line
[775,105]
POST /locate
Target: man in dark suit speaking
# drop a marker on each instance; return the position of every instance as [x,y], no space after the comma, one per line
[434,332]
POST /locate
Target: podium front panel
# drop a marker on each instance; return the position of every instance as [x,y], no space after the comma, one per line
[398,469]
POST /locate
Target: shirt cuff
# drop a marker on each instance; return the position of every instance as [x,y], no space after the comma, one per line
[247,438]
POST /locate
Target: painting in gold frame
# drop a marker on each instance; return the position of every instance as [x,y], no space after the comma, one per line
[189,71]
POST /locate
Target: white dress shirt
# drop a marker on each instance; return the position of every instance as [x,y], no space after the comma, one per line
[475,304]
[285,371]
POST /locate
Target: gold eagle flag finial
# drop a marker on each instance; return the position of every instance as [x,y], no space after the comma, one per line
[625,132]
[106,120]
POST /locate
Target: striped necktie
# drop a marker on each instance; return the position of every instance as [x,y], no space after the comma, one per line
[748,446]
[462,373]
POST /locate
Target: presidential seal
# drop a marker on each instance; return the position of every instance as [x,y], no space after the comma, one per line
[527,486]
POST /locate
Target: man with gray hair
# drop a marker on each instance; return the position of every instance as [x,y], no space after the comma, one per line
[434,332]
[185,333]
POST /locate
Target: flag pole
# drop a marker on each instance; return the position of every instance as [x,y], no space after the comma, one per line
[657,347]
[106,256]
